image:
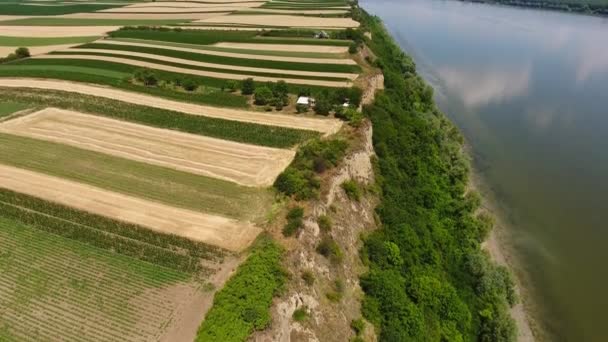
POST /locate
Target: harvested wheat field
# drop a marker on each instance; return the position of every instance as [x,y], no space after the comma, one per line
[55,31]
[176,10]
[282,20]
[214,230]
[244,164]
[323,125]
[295,11]
[161,58]
[283,47]
[190,5]
[146,16]
[201,50]
[213,74]
[35,50]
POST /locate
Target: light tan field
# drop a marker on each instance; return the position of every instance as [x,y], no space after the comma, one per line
[143,16]
[349,76]
[166,9]
[229,76]
[35,50]
[324,125]
[294,11]
[284,47]
[282,20]
[215,230]
[55,31]
[185,4]
[12,17]
[248,165]
[345,61]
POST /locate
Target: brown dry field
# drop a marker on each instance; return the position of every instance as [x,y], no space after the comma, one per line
[346,61]
[144,16]
[229,76]
[55,31]
[283,47]
[35,50]
[324,125]
[214,230]
[296,11]
[244,164]
[166,9]
[227,67]
[282,20]
[189,4]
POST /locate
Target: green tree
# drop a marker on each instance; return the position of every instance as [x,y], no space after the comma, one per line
[22,52]
[248,86]
[263,96]
[146,76]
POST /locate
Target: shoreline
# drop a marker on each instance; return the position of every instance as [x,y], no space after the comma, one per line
[498,246]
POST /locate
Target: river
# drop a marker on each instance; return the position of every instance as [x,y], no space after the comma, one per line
[529,90]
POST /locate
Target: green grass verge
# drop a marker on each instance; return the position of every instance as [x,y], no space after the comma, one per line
[326,67]
[46,278]
[37,41]
[207,37]
[22,9]
[197,68]
[164,185]
[244,132]
[8,107]
[165,250]
[87,22]
[242,306]
[236,50]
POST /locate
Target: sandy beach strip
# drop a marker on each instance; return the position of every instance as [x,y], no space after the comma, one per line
[215,230]
[244,164]
[324,125]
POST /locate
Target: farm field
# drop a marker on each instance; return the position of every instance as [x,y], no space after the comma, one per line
[9,107]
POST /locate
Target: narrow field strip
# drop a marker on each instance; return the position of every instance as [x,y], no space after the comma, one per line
[174,10]
[282,20]
[214,230]
[148,16]
[36,50]
[189,62]
[247,165]
[325,126]
[187,4]
[269,55]
[285,47]
[35,41]
[180,70]
[169,187]
[54,31]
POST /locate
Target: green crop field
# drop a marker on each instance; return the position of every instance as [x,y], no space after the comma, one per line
[244,132]
[164,185]
[36,41]
[9,107]
[226,60]
[89,22]
[58,289]
[235,50]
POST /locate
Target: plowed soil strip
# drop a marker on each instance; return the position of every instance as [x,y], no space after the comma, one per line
[350,76]
[247,165]
[214,230]
[326,126]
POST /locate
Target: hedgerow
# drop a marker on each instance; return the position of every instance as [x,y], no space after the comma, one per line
[224,129]
[242,306]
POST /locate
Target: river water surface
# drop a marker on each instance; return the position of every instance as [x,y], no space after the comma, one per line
[529,90]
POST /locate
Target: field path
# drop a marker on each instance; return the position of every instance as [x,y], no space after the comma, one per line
[215,230]
[244,164]
[323,125]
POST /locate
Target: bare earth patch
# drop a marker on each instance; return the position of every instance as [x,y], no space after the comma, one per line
[323,125]
[350,76]
[284,47]
[345,61]
[214,230]
[55,31]
[282,20]
[228,76]
[244,164]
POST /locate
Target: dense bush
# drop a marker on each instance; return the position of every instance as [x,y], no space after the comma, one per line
[324,223]
[426,279]
[19,53]
[295,221]
[247,86]
[330,249]
[262,96]
[146,76]
[352,190]
[242,306]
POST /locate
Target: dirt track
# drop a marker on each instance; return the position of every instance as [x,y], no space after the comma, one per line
[282,20]
[211,229]
[229,76]
[244,164]
[284,47]
[227,67]
[326,126]
[151,44]
[55,31]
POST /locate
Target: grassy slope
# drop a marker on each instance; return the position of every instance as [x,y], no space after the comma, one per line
[10,107]
[218,128]
[42,270]
[37,41]
[164,185]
